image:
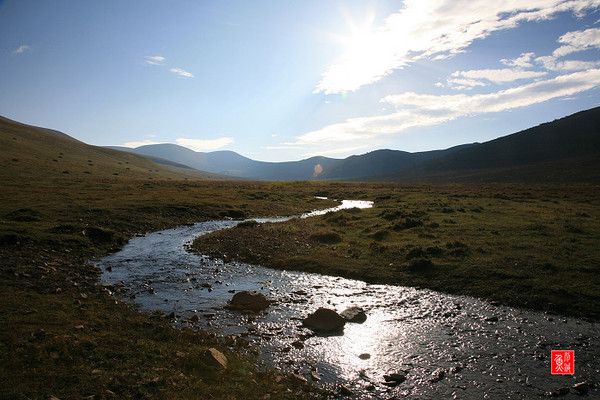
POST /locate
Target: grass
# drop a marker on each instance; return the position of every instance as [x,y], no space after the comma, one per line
[61,333]
[525,246]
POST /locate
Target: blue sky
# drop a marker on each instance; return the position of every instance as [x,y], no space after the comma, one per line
[280,81]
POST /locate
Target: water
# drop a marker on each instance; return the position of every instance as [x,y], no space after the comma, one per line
[411,330]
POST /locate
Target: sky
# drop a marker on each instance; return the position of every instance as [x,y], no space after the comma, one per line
[275,80]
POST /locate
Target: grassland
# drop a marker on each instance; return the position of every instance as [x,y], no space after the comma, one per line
[62,334]
[525,246]
[64,202]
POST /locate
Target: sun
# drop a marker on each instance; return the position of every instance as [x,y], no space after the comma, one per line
[364,52]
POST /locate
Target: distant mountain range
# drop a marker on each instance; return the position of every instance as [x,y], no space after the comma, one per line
[567,149]
[233,164]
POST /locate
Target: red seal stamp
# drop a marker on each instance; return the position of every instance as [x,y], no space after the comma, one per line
[562,362]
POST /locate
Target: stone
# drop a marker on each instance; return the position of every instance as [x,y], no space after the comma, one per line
[456,369]
[437,375]
[324,320]
[364,356]
[214,358]
[492,319]
[249,301]
[315,376]
[344,391]
[298,344]
[194,318]
[395,377]
[354,314]
[581,387]
[298,378]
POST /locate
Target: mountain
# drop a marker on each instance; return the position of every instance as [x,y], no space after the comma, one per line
[384,163]
[566,149]
[233,164]
[27,151]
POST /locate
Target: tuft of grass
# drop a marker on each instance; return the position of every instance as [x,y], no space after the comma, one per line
[326,237]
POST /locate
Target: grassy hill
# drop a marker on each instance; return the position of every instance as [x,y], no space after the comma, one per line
[567,149]
[29,151]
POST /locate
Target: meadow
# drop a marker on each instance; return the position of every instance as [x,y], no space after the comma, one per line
[63,334]
[65,203]
[525,246]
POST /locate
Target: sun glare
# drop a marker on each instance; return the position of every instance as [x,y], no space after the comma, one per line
[364,53]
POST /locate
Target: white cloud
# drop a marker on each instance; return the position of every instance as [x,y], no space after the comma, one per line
[419,110]
[516,97]
[204,144]
[463,83]
[138,143]
[523,61]
[576,41]
[552,64]
[22,49]
[155,60]
[338,151]
[181,72]
[193,144]
[572,42]
[499,75]
[432,29]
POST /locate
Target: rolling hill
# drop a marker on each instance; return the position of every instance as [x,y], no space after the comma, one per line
[230,163]
[27,151]
[567,149]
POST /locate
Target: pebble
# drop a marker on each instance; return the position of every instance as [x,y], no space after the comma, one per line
[437,375]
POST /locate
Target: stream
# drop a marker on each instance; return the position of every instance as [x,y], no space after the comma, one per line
[446,346]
